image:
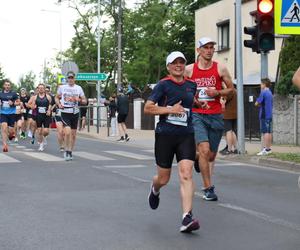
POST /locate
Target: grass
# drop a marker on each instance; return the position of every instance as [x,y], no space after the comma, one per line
[293,157]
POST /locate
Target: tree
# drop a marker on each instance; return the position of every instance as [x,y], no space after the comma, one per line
[2,76]
[289,62]
[27,81]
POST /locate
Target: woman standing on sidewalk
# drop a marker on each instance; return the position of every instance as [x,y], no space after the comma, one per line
[174,135]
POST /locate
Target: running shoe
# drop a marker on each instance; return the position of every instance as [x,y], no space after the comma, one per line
[62,149]
[127,137]
[209,194]
[67,156]
[264,152]
[196,166]
[41,148]
[71,155]
[224,149]
[45,140]
[153,199]
[29,134]
[11,136]
[16,139]
[32,140]
[121,139]
[5,148]
[23,136]
[189,224]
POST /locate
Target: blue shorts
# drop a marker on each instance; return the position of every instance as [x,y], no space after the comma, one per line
[9,119]
[266,126]
[208,128]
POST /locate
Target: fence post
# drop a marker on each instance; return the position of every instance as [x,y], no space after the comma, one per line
[89,118]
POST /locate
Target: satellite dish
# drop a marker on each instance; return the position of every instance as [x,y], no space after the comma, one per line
[69,66]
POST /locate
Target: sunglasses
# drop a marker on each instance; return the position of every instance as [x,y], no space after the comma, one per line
[70,77]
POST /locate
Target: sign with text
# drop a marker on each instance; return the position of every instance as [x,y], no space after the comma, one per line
[287,17]
[91,77]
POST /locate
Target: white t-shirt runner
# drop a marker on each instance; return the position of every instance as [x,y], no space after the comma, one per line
[68,96]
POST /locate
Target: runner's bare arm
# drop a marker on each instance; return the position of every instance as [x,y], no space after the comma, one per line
[31,102]
[296,78]
[226,77]
[83,100]
[57,101]
[189,70]
[152,109]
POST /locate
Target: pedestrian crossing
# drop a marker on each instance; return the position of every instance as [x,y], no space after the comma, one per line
[16,155]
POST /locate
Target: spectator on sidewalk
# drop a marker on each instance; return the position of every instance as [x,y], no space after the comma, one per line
[111,103]
[122,108]
[296,78]
[265,104]
[230,124]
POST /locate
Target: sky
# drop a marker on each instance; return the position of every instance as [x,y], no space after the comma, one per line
[30,34]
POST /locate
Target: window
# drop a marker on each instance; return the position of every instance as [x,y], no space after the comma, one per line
[223,35]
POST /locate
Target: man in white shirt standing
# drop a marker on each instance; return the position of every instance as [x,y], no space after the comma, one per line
[67,99]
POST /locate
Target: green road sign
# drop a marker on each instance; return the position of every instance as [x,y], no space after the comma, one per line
[91,77]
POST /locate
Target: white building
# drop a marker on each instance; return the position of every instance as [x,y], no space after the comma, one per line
[218,22]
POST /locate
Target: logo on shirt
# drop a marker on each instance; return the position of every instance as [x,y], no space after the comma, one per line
[206,81]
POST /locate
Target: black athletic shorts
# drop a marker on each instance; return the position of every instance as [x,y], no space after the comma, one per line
[18,117]
[122,118]
[9,119]
[43,120]
[166,146]
[230,124]
[70,120]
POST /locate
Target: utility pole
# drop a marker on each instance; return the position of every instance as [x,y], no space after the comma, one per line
[99,54]
[120,24]
[239,78]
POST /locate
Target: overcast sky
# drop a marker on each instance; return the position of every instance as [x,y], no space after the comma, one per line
[29,36]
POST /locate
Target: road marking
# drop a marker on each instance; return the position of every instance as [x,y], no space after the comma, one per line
[7,159]
[124,175]
[130,155]
[125,166]
[149,150]
[299,182]
[20,147]
[43,156]
[92,157]
[28,149]
[263,216]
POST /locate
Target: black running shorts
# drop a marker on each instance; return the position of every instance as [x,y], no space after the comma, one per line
[166,146]
[43,120]
[70,120]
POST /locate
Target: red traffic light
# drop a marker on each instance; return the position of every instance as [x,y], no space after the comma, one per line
[265,6]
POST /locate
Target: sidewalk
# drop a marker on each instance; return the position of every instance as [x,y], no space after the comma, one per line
[145,138]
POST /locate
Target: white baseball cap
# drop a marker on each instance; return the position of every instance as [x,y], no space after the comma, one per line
[173,56]
[205,40]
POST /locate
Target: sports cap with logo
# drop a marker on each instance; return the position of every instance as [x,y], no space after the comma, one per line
[173,56]
[205,40]
[70,74]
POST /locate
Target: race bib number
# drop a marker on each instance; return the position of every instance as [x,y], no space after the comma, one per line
[179,119]
[68,110]
[202,96]
[42,110]
[30,112]
[5,104]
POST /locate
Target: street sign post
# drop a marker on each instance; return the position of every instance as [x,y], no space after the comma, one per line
[287,17]
[91,77]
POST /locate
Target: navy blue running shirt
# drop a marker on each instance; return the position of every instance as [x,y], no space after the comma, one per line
[167,93]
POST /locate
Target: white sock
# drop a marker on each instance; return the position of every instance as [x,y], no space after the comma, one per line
[154,192]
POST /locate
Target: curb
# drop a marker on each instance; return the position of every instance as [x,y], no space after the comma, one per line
[266,162]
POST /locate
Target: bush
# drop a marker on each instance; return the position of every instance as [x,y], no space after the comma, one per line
[285,86]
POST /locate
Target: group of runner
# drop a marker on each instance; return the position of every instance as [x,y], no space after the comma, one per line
[190,120]
[34,113]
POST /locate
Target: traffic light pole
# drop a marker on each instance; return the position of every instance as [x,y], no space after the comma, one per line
[239,78]
[264,65]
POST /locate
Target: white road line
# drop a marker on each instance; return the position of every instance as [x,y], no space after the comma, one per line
[125,166]
[20,147]
[299,182]
[149,150]
[43,156]
[92,157]
[124,175]
[130,155]
[259,215]
[7,159]
[262,216]
[28,149]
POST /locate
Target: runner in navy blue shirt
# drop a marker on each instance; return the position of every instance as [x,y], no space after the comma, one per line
[265,104]
[8,100]
[174,135]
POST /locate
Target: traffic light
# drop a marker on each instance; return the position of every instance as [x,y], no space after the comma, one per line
[253,44]
[265,25]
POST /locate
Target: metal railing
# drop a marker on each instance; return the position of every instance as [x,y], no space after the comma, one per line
[95,118]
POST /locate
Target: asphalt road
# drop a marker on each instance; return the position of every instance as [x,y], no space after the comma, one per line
[99,201]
